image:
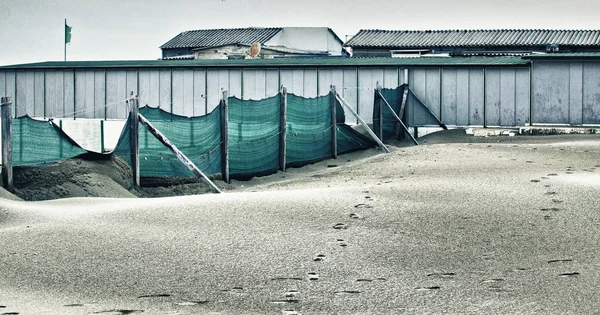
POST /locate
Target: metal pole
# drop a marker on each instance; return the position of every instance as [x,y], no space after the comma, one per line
[371,133]
[184,159]
[134,138]
[225,137]
[333,123]
[7,171]
[65,39]
[397,118]
[282,128]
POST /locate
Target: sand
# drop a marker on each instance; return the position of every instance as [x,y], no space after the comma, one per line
[492,225]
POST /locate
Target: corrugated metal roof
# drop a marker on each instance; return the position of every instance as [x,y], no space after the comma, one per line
[278,62]
[563,56]
[472,38]
[221,37]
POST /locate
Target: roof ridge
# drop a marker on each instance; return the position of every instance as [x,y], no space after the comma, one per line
[479,30]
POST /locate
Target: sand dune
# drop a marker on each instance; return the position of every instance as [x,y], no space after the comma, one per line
[459,228]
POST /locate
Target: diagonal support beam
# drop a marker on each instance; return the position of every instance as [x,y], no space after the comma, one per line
[184,159]
[371,133]
[397,118]
[429,110]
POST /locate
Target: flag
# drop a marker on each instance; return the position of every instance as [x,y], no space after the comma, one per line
[67,33]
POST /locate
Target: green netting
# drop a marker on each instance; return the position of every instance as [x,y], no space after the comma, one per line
[349,140]
[308,136]
[37,142]
[199,138]
[390,124]
[254,128]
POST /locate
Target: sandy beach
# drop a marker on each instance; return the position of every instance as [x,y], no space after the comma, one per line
[458,225]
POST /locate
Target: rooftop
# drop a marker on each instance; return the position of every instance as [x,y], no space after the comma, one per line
[221,37]
[277,63]
[472,38]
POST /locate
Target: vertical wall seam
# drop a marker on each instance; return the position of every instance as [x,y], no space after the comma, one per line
[582,92]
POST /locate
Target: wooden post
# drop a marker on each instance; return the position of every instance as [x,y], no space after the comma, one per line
[402,110]
[134,138]
[225,137]
[378,104]
[101,136]
[184,159]
[7,171]
[397,118]
[282,128]
[371,133]
[333,123]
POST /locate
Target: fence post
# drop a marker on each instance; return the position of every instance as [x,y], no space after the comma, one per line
[282,128]
[101,136]
[7,171]
[134,138]
[380,109]
[333,122]
[225,137]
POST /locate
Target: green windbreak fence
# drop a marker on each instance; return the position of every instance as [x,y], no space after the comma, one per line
[308,136]
[199,138]
[254,136]
[388,121]
[36,142]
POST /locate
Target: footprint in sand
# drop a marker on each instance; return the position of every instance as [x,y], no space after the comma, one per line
[442,274]
[492,280]
[290,312]
[319,257]
[559,260]
[347,292]
[535,180]
[285,301]
[313,276]
[552,174]
[550,209]
[10,313]
[428,288]
[355,216]
[119,312]
[291,293]
[191,303]
[362,205]
[551,193]
[286,278]
[569,274]
[341,242]
[154,295]
[340,226]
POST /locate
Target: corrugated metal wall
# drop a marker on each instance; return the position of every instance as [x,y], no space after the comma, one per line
[566,92]
[470,96]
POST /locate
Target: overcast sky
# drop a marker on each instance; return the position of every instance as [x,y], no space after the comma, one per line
[32,30]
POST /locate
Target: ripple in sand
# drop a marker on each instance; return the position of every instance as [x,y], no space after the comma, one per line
[442,274]
[286,278]
[428,288]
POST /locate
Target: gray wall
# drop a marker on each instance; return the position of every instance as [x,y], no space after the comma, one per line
[476,96]
[470,96]
[566,92]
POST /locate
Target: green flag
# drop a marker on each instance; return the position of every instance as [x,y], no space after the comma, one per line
[67,34]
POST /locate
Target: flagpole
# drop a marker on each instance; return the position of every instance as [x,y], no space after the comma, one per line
[65,39]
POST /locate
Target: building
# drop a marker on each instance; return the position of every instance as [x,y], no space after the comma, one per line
[406,43]
[235,43]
